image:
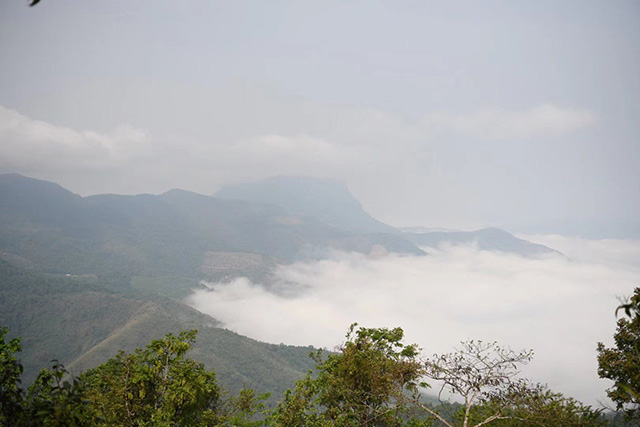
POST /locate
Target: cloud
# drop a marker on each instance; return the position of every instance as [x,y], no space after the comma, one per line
[543,121]
[404,170]
[614,253]
[34,144]
[290,152]
[561,308]
[311,138]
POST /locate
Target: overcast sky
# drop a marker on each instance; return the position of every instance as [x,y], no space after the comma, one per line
[517,114]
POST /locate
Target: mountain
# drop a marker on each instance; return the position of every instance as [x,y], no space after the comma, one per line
[83,277]
[331,202]
[77,321]
[119,237]
[327,200]
[490,239]
[177,234]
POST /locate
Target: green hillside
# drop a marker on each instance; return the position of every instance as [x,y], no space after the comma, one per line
[82,324]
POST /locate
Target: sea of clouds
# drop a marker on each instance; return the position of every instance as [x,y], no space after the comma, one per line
[559,306]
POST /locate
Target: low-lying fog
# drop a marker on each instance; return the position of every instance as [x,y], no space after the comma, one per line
[559,307]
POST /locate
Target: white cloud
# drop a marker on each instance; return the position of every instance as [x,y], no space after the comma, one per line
[542,121]
[561,308]
[34,144]
[614,253]
[360,145]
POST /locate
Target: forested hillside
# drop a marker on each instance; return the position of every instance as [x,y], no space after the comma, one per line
[81,323]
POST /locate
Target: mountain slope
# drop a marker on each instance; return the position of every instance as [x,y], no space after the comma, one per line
[491,239]
[331,202]
[327,200]
[81,324]
[109,258]
[120,237]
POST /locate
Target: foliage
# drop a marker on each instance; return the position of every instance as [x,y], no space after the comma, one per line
[622,363]
[298,408]
[477,370]
[156,386]
[523,404]
[153,386]
[240,410]
[53,400]
[11,395]
[373,380]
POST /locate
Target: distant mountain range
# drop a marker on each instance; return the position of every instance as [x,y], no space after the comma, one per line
[281,219]
[83,277]
[331,202]
[491,239]
[167,234]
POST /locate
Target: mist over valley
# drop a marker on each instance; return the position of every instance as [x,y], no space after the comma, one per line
[266,268]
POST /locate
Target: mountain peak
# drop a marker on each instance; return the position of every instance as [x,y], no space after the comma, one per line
[328,200]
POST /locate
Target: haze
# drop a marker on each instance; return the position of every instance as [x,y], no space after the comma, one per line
[515,114]
[558,307]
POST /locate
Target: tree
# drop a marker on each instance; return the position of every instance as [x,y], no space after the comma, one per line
[154,386]
[622,363]
[239,411]
[373,380]
[477,371]
[524,404]
[11,395]
[56,399]
[298,407]
[51,400]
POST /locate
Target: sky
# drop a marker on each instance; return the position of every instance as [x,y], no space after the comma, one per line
[461,114]
[559,306]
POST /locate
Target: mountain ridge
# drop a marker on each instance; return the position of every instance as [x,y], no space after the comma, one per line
[83,324]
[310,196]
[171,232]
[156,234]
[490,238]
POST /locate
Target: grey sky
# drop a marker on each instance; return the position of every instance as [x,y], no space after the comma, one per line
[458,114]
